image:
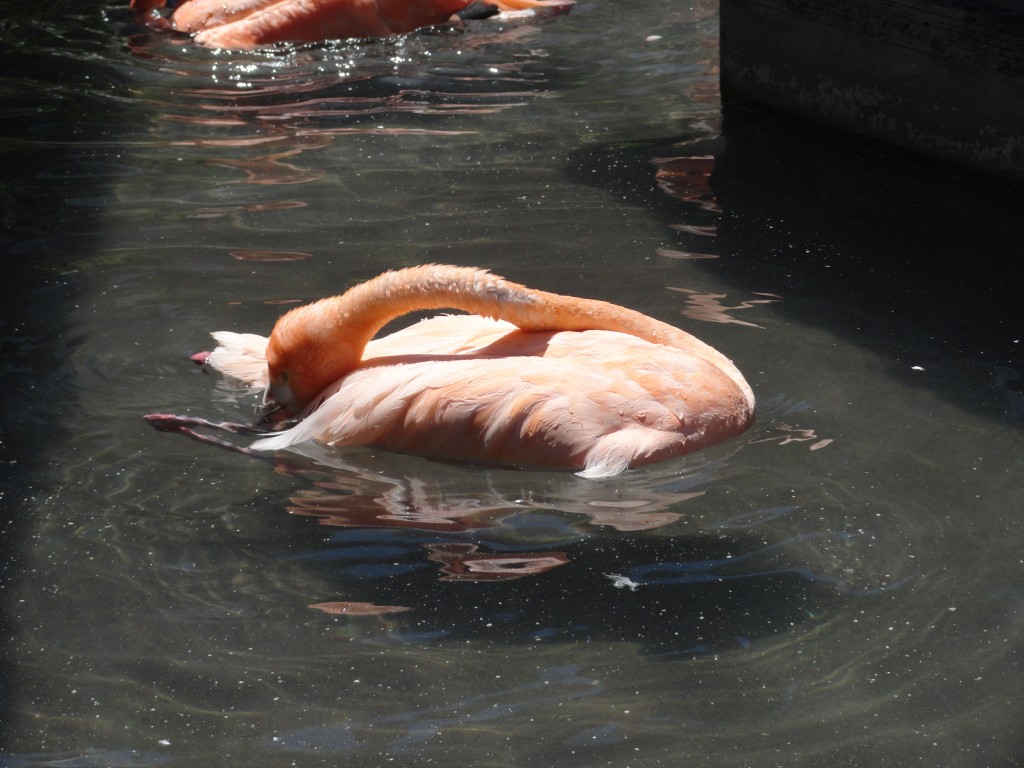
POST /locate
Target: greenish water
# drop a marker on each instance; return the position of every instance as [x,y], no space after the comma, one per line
[841,586]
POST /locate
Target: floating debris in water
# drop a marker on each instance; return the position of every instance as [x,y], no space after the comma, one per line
[619,581]
[358,609]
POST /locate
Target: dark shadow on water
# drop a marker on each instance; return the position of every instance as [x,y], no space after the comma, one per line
[673,597]
[57,172]
[450,558]
[917,260]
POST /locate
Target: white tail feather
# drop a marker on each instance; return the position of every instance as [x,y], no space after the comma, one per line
[240,356]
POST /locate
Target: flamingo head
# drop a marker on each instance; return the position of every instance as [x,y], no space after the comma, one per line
[305,355]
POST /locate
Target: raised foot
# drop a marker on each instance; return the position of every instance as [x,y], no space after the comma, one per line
[187,425]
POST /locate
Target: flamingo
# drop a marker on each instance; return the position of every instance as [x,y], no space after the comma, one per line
[530,378]
[245,24]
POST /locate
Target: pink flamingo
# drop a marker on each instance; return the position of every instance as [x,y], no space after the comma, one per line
[244,24]
[531,378]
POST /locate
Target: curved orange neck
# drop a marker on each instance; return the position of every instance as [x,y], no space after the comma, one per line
[333,332]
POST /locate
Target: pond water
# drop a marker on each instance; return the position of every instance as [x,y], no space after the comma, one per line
[843,585]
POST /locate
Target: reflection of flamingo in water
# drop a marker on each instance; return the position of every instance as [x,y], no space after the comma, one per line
[250,23]
[553,381]
[367,489]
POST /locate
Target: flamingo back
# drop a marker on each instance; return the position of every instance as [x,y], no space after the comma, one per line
[469,388]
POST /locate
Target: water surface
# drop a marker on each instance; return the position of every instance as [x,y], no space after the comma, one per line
[840,586]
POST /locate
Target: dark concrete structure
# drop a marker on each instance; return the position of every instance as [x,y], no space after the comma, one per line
[942,78]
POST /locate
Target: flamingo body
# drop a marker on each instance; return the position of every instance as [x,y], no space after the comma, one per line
[245,24]
[477,389]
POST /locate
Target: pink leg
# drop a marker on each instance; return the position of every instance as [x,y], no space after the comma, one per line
[185,425]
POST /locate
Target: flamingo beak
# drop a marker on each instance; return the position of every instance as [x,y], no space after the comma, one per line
[276,401]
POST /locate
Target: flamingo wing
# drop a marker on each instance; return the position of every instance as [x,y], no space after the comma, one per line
[468,388]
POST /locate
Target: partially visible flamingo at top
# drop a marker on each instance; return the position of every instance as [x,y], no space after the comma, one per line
[531,378]
[244,24]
